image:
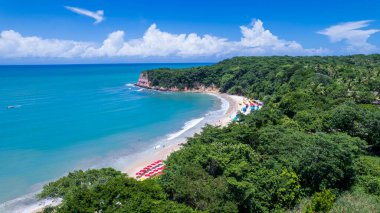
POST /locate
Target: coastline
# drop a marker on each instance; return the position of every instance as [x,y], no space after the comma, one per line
[142,159]
[163,152]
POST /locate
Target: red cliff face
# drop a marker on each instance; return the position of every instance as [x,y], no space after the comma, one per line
[143,80]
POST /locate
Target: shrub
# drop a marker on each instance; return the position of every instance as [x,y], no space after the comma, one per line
[323,201]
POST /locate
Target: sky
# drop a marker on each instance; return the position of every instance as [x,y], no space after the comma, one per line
[120,31]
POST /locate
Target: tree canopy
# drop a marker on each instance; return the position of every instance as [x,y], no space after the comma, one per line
[313,147]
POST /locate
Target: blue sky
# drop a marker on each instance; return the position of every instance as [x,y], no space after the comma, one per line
[63,31]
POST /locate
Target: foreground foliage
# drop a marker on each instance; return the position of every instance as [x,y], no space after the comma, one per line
[108,190]
[313,147]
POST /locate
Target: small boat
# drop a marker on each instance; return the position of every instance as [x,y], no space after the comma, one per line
[13,106]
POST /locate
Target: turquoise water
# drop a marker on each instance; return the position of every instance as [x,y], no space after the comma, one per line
[75,116]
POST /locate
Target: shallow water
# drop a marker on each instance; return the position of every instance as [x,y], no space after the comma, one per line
[77,116]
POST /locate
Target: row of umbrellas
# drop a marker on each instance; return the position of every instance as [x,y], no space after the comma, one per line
[255,105]
[249,104]
[152,169]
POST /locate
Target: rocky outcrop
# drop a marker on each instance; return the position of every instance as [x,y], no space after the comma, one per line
[146,83]
[143,80]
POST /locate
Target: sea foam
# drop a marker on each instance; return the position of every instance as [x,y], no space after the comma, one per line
[188,125]
[130,85]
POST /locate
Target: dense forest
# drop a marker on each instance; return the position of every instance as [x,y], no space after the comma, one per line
[313,147]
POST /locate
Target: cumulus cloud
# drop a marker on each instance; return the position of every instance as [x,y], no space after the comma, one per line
[255,40]
[158,43]
[353,34]
[98,15]
[13,44]
[257,37]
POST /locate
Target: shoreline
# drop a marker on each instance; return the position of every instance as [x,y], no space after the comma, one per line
[142,159]
[162,153]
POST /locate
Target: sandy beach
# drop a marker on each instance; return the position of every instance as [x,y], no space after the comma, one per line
[163,152]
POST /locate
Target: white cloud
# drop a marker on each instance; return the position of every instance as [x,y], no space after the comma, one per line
[258,37]
[158,43]
[14,45]
[255,40]
[353,34]
[259,41]
[98,15]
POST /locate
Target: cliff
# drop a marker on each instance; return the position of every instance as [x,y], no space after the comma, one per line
[144,82]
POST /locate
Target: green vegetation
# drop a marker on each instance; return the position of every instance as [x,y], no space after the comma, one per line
[78,180]
[108,190]
[323,201]
[314,147]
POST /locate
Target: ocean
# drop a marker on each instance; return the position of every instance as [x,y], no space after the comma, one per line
[57,118]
